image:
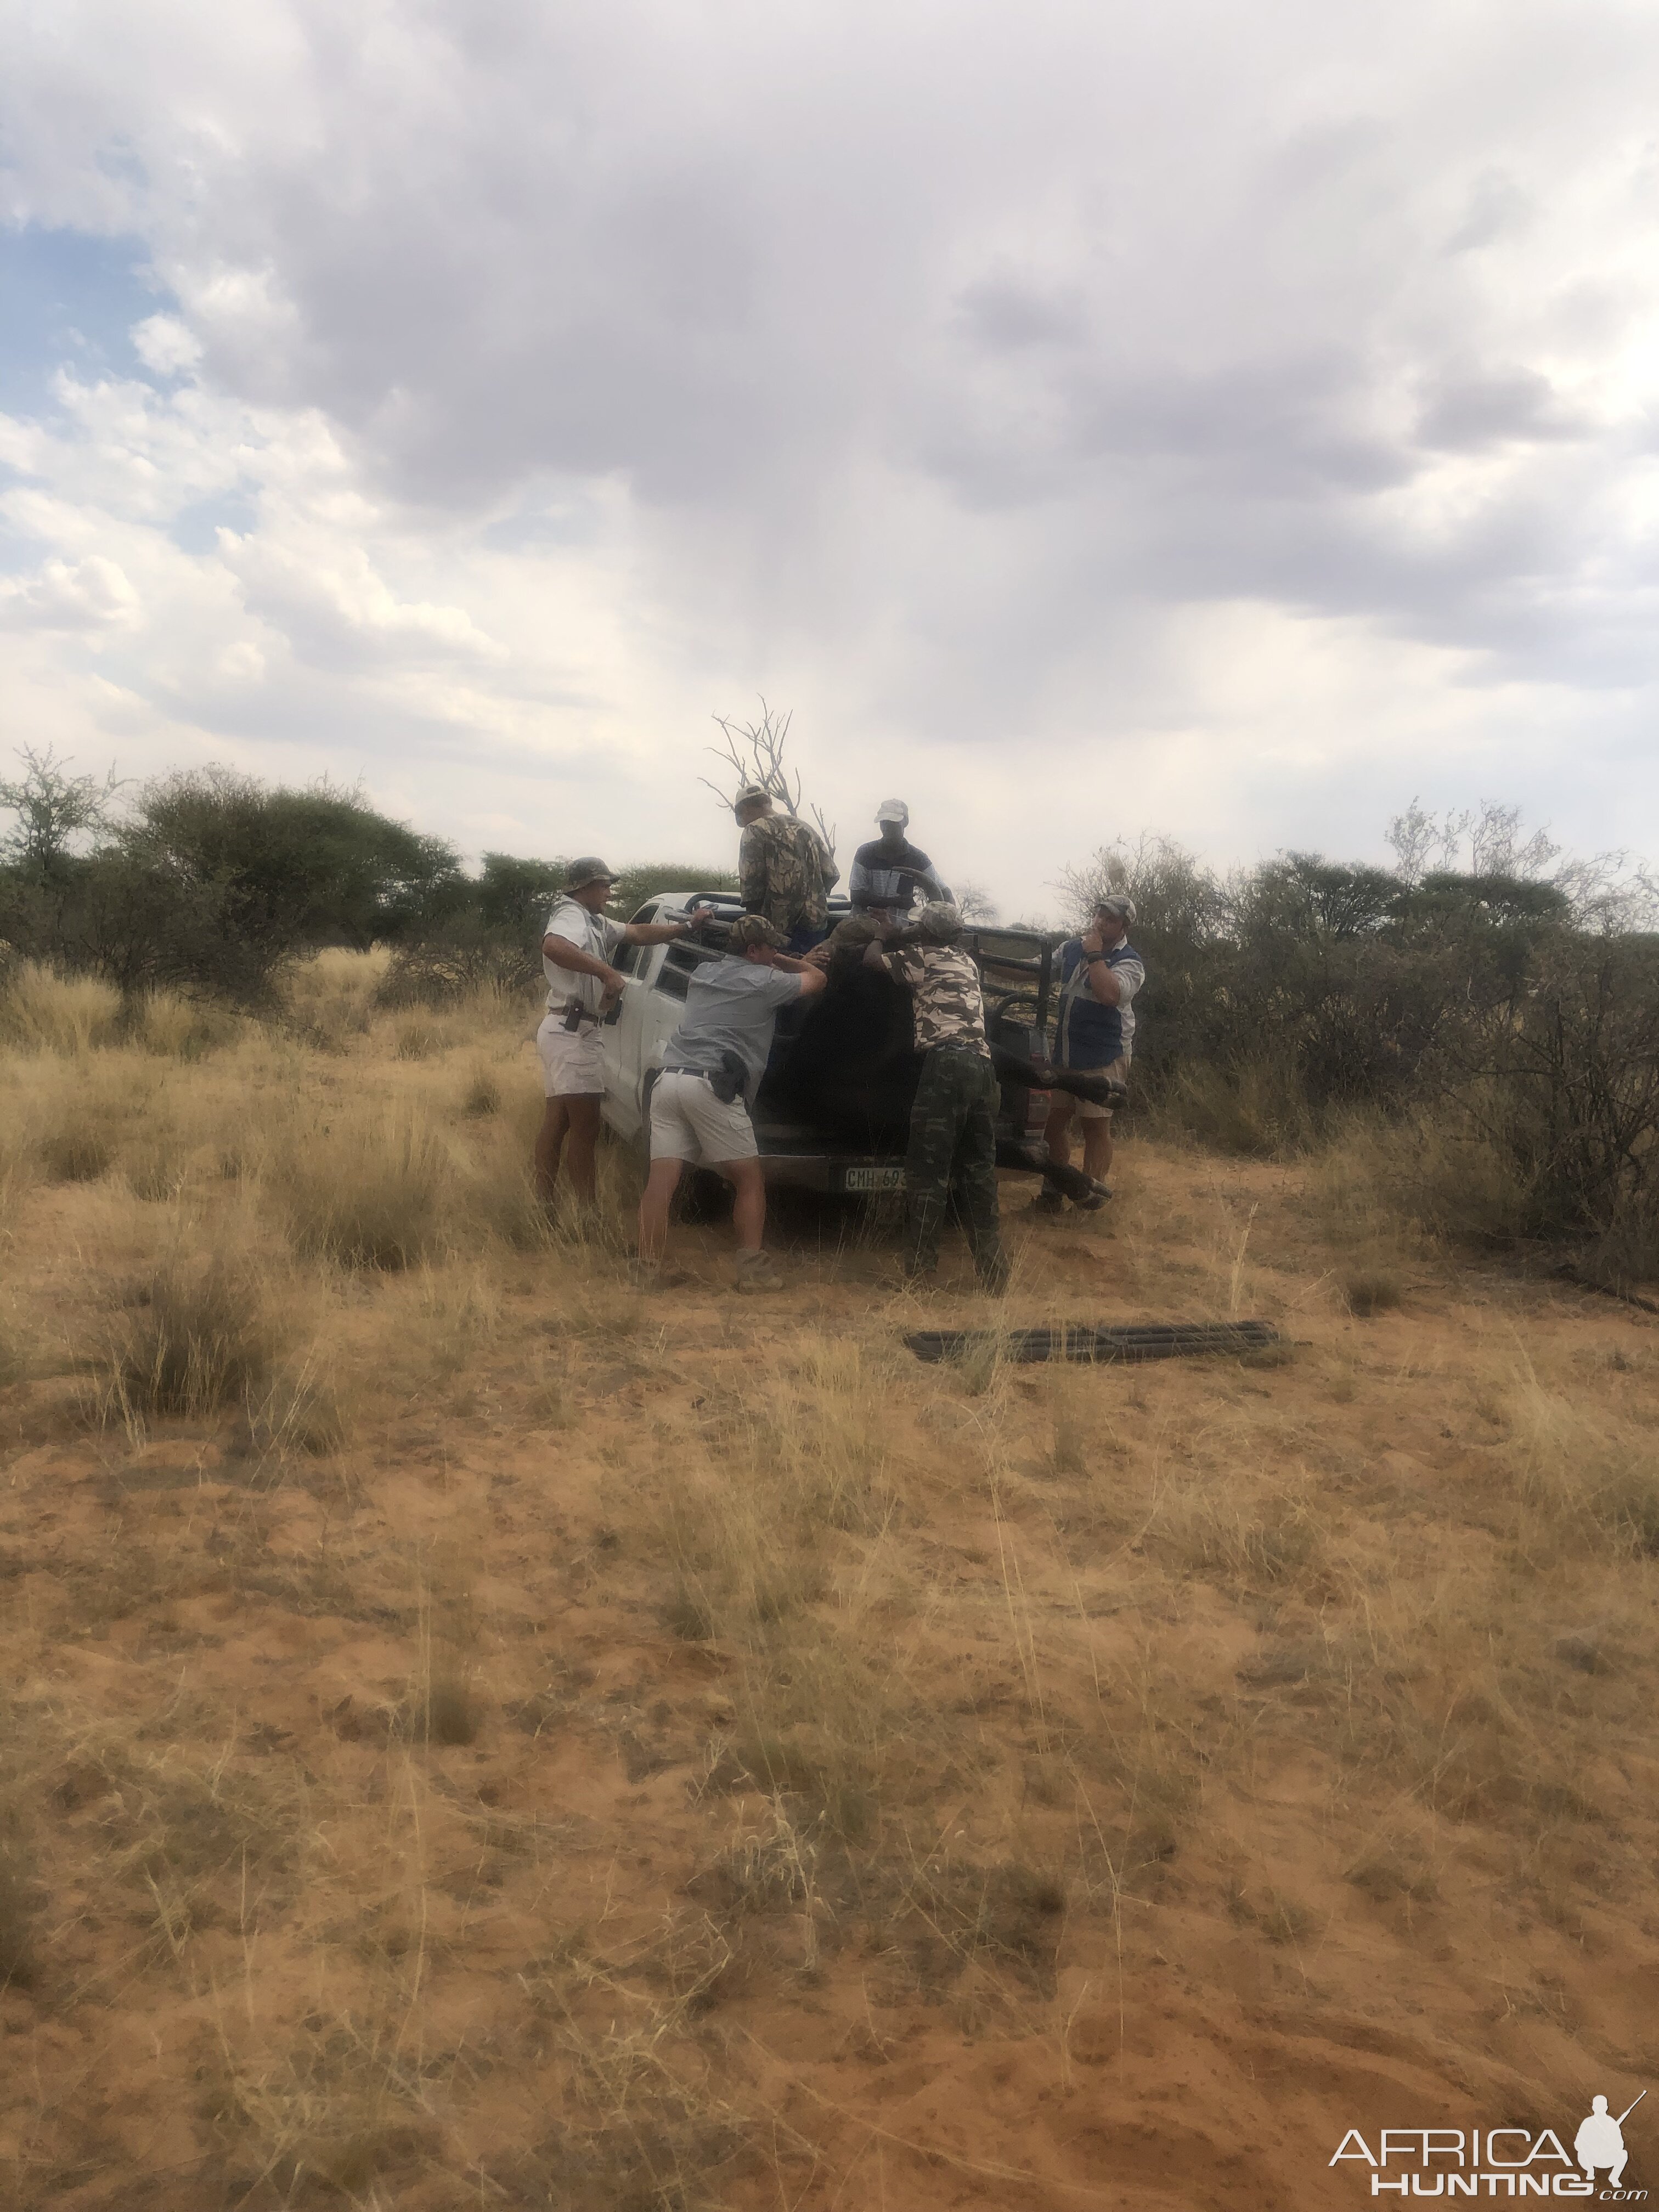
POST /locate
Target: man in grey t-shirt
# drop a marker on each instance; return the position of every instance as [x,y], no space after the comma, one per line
[712,1069]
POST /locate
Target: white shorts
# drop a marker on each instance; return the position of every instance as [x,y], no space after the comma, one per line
[688,1123]
[1087,1108]
[572,1065]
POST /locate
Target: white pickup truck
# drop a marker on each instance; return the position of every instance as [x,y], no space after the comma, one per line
[833,1113]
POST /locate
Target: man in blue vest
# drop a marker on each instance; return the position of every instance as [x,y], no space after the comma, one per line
[1100,973]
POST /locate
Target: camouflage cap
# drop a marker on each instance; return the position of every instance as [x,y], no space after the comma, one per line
[1120,908]
[939,922]
[853,932]
[749,794]
[587,869]
[753,929]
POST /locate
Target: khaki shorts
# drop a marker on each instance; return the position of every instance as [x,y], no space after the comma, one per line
[573,1066]
[688,1123]
[1087,1108]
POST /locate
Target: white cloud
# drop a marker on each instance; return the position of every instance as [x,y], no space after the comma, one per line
[162,343]
[1091,415]
[90,596]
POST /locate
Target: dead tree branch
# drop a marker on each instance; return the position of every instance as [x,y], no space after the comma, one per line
[754,753]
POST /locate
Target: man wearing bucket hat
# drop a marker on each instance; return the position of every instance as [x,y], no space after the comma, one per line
[890,874]
[1100,973]
[784,869]
[581,984]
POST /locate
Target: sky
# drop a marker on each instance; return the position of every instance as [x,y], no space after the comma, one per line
[1086,419]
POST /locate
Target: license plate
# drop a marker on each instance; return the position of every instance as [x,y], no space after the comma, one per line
[872,1178]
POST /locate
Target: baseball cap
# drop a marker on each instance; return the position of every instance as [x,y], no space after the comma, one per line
[749,791]
[753,929]
[893,810]
[1115,902]
[939,922]
[587,869]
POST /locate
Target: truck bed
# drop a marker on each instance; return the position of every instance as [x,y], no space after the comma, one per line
[837,1119]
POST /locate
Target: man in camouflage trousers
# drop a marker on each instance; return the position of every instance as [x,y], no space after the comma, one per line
[953,1141]
[784,869]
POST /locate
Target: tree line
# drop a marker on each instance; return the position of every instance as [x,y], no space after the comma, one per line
[1501,1016]
[1497,998]
[208,881]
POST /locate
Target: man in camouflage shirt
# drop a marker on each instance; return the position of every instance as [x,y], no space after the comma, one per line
[953,1122]
[785,871]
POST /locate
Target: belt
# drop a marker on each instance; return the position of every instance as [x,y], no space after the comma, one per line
[702,1072]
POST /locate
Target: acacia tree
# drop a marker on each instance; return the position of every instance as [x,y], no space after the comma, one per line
[52,809]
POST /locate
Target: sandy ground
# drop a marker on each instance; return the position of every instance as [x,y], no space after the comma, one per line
[678,1750]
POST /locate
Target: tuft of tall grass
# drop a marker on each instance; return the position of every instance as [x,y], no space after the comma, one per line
[1589,1473]
[1253,1110]
[419,1039]
[199,1337]
[79,1149]
[484,1094]
[42,1010]
[155,1169]
[300,1411]
[1435,1170]
[367,1190]
[499,1200]
[170,1026]
[329,998]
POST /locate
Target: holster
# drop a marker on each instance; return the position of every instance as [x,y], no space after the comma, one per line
[727,1084]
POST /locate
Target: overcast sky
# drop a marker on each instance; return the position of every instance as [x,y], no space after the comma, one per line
[1087,418]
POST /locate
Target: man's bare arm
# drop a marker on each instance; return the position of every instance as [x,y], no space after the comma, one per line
[812,978]
[654,932]
[563,954]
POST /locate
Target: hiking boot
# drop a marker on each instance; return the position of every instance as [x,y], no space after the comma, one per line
[1093,1205]
[754,1272]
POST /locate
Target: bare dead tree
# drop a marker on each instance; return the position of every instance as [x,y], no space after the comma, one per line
[976,904]
[754,753]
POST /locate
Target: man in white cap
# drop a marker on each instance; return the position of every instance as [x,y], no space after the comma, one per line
[581,983]
[890,874]
[1100,973]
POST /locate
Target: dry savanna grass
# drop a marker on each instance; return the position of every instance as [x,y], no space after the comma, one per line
[478,1735]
